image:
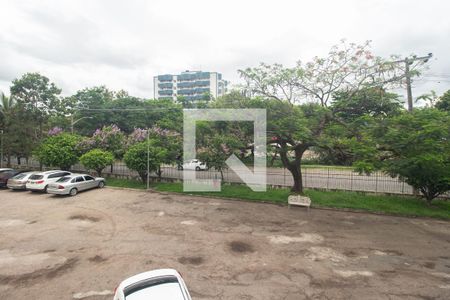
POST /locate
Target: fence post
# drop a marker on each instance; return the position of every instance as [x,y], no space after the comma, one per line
[328,176]
[284,176]
[351,180]
[376,182]
[403,187]
[306,176]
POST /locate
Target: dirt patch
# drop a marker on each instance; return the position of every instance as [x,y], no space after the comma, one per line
[240,247]
[34,277]
[349,273]
[84,218]
[324,253]
[350,253]
[429,265]
[12,222]
[191,260]
[303,238]
[97,259]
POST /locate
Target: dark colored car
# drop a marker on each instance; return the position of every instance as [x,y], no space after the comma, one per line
[6,175]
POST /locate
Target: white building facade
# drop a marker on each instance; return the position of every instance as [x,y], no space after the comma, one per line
[191,85]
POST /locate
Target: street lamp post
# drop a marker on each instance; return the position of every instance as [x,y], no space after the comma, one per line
[72,122]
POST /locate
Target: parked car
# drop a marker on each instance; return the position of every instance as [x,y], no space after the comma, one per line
[74,183]
[19,181]
[193,164]
[40,181]
[6,176]
[5,169]
[163,284]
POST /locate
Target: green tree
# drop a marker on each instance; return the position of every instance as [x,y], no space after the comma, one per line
[17,130]
[374,102]
[110,138]
[413,146]
[351,112]
[97,160]
[89,103]
[168,140]
[295,128]
[59,151]
[136,158]
[444,102]
[37,96]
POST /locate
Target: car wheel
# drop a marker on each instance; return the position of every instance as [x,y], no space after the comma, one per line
[101,184]
[197,168]
[45,189]
[73,192]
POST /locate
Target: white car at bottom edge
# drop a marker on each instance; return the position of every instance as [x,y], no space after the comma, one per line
[163,284]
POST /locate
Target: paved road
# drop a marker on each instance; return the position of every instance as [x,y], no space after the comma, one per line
[81,247]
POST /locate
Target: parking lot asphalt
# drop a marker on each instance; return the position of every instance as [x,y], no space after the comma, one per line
[81,247]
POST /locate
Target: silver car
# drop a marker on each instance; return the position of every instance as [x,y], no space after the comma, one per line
[19,181]
[74,183]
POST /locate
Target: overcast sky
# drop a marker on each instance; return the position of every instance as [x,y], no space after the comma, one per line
[123,44]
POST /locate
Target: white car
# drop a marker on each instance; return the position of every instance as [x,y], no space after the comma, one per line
[163,284]
[40,181]
[194,164]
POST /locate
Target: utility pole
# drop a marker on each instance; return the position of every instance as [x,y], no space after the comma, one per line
[408,62]
[408,86]
[148,159]
[1,149]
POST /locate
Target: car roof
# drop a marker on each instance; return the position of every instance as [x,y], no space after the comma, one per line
[77,174]
[49,172]
[147,275]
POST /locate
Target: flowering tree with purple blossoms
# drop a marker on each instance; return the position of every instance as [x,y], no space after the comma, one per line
[138,135]
[110,138]
[55,131]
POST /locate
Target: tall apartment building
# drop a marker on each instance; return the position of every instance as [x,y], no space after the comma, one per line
[191,85]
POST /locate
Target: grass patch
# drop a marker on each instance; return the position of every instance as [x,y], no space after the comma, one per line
[125,183]
[401,205]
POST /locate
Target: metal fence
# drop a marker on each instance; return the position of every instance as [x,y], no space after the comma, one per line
[321,178]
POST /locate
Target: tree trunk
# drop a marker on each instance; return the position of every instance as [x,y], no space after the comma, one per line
[272,160]
[296,172]
[159,173]
[143,176]
[294,166]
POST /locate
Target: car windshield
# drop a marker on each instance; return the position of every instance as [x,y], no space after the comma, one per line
[159,289]
[36,177]
[64,179]
[20,176]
